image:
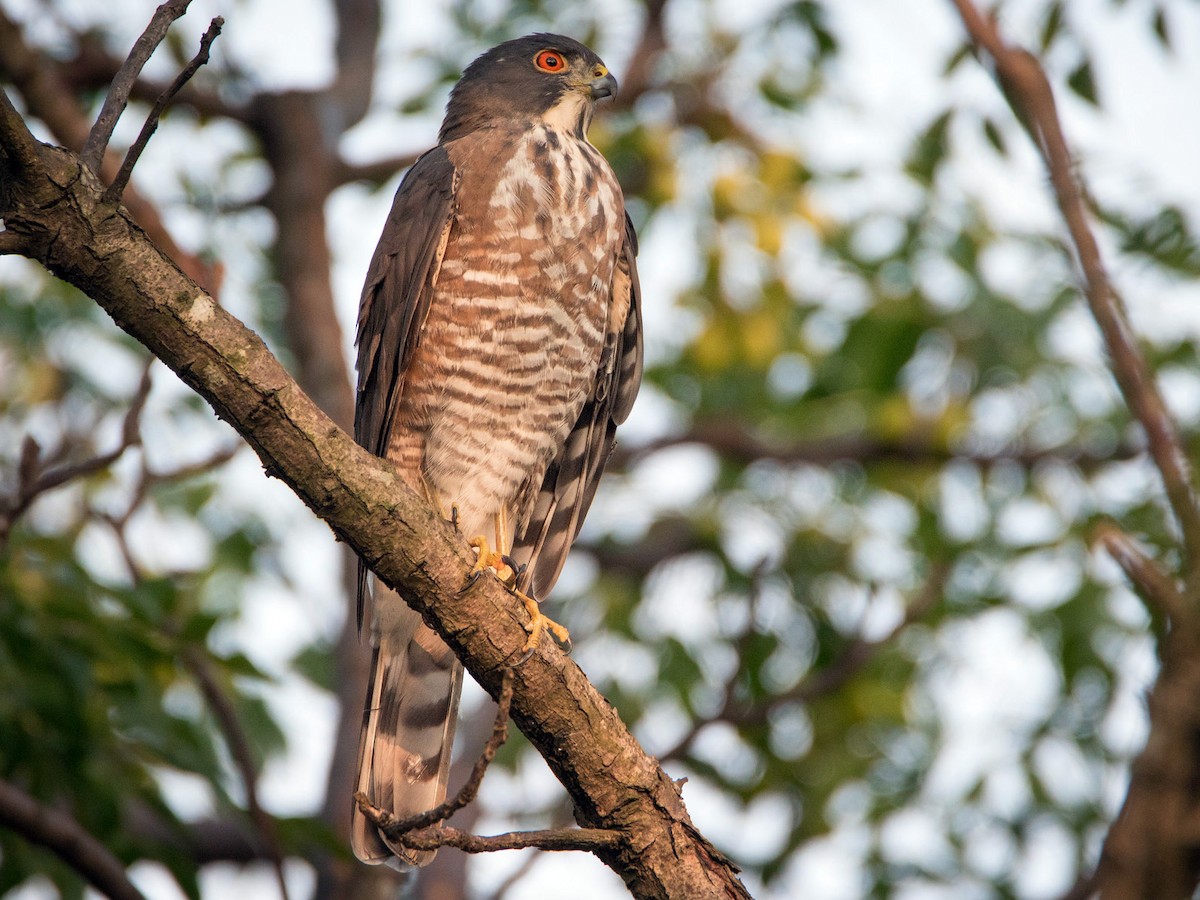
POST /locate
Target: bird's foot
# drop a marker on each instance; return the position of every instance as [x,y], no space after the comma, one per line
[538,625]
[506,572]
[490,559]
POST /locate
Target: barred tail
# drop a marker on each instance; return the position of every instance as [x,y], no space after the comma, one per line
[408,727]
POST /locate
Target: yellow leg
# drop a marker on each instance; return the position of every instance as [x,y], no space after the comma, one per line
[496,560]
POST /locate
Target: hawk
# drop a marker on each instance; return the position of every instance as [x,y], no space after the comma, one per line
[499,346]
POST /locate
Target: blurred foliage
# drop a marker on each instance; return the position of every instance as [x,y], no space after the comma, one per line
[842,577]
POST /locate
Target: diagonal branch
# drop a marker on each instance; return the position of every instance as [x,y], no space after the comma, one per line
[122,83]
[613,783]
[1025,85]
[239,749]
[113,194]
[1150,848]
[68,840]
[1155,586]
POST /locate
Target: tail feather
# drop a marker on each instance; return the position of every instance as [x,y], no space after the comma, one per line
[408,727]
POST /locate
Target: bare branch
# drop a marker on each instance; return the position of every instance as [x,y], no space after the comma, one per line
[1155,586]
[653,41]
[376,172]
[151,124]
[32,481]
[357,36]
[1148,850]
[591,840]
[51,100]
[1027,89]
[395,829]
[122,83]
[68,840]
[737,441]
[239,749]
[18,147]
[614,785]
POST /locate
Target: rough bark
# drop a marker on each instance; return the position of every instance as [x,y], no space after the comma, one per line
[53,212]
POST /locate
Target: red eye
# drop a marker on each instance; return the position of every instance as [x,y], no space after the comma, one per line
[550,61]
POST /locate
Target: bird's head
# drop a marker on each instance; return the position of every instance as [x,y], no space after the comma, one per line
[540,77]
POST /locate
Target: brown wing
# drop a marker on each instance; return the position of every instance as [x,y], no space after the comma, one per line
[396,297]
[571,480]
[397,292]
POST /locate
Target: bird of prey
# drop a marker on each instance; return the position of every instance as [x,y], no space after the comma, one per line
[499,346]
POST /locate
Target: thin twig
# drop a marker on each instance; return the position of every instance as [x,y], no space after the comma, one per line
[239,749]
[33,481]
[50,99]
[1027,89]
[135,151]
[122,83]
[395,829]
[420,833]
[68,840]
[1155,586]
[586,839]
[18,147]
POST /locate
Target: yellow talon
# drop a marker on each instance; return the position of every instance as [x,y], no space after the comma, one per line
[538,625]
[490,559]
[496,561]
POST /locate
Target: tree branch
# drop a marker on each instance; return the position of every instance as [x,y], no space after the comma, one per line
[33,481]
[50,99]
[614,785]
[1149,850]
[122,83]
[592,840]
[113,194]
[68,840]
[239,750]
[1027,89]
[1155,586]
[736,441]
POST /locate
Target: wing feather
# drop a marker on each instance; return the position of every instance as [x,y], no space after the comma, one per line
[397,292]
[571,480]
[395,300]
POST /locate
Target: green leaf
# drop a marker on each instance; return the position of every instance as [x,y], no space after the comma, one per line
[1051,25]
[1083,82]
[929,150]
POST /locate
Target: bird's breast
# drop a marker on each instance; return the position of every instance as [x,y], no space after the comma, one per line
[511,346]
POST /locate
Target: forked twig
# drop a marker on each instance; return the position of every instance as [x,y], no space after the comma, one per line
[33,480]
[118,91]
[151,124]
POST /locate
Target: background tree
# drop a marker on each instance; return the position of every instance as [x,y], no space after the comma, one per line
[843,580]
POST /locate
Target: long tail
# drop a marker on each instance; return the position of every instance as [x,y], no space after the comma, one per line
[408,727]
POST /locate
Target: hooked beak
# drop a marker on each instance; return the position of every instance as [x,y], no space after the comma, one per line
[602,86]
